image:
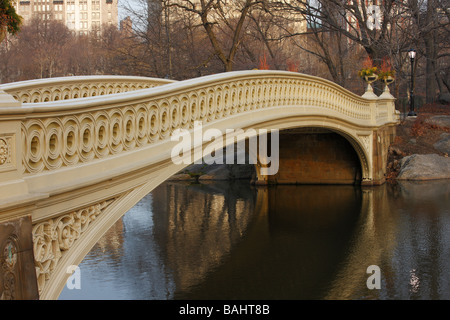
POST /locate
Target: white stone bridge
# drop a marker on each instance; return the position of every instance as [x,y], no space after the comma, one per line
[77,153]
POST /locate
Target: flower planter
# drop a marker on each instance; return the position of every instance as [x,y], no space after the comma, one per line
[371,78]
[388,80]
[369,91]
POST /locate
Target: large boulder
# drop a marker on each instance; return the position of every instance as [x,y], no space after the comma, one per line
[219,173]
[181,177]
[230,172]
[443,145]
[441,121]
[424,167]
[444,98]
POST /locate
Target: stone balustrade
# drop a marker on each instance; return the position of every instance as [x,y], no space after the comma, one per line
[58,134]
[64,88]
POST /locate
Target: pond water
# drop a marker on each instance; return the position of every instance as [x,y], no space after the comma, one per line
[236,241]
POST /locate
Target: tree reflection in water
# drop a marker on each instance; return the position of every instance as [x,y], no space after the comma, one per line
[233,241]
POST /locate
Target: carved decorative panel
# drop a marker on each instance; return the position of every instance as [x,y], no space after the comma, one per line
[5,150]
[8,264]
[17,272]
[54,237]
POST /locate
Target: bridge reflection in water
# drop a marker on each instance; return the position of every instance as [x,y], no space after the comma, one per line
[230,241]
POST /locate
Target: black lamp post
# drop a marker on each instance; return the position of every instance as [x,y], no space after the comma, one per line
[412,56]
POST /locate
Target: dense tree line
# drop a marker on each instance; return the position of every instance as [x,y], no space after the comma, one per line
[183,39]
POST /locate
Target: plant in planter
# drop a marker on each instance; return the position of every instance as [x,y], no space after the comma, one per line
[387,75]
[369,73]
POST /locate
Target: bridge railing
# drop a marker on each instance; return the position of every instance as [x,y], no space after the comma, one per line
[38,138]
[64,88]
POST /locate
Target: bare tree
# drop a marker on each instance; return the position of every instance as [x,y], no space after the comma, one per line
[431,19]
[40,46]
[337,29]
[218,17]
[266,32]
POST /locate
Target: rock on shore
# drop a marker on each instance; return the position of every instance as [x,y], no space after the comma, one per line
[424,167]
[443,145]
[441,120]
[216,172]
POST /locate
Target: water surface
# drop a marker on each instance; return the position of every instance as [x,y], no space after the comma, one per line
[234,241]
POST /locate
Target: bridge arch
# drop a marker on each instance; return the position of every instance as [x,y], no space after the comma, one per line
[111,210]
[76,166]
[358,139]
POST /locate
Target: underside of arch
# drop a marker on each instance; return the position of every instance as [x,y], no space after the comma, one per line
[359,141]
[315,156]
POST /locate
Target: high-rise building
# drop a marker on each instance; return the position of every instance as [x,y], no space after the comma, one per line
[80,16]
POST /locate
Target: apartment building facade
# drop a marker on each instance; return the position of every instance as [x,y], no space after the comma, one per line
[80,16]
